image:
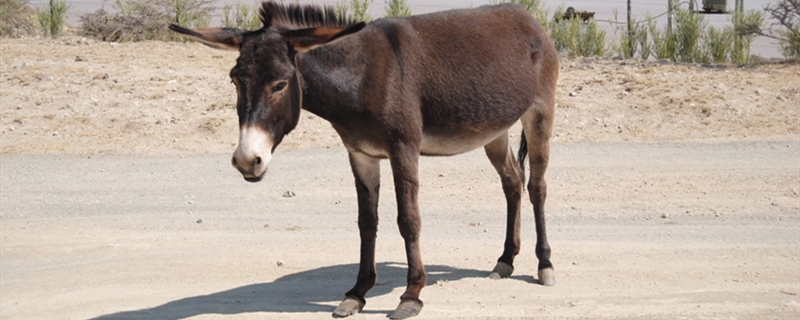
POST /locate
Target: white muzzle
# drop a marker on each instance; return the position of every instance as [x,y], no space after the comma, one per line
[254,153]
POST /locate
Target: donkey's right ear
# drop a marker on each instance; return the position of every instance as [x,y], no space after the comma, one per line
[220,38]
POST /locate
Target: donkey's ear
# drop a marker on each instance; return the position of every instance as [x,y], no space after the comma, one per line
[306,39]
[220,38]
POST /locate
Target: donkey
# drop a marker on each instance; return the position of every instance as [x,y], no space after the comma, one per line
[438,84]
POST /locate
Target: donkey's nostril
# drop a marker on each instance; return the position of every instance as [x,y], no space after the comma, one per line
[258,161]
[233,161]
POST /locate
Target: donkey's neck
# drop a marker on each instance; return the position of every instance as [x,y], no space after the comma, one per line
[332,77]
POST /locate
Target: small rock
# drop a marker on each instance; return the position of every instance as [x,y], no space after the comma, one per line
[190,202]
[441,175]
[79,59]
[280,263]
[664,216]
[199,221]
[288,194]
[572,94]
[55,134]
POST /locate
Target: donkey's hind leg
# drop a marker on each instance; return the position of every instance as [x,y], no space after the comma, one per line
[537,125]
[511,176]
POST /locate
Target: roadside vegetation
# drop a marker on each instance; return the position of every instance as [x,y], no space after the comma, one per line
[690,39]
[17,19]
[52,17]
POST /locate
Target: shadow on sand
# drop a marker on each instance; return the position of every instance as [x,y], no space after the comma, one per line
[294,293]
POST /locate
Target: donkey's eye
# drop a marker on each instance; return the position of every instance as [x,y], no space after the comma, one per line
[278,87]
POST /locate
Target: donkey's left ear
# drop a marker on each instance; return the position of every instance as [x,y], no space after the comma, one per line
[220,38]
[306,39]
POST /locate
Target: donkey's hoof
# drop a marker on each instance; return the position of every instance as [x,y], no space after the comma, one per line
[348,307]
[501,270]
[407,309]
[547,277]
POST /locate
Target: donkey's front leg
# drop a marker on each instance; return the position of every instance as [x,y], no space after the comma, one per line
[404,163]
[367,171]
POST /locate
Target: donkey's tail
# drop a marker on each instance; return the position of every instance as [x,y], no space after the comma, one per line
[522,154]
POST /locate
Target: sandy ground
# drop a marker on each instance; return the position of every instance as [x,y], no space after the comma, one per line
[81,96]
[673,194]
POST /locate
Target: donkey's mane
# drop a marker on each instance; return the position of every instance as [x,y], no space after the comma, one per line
[295,16]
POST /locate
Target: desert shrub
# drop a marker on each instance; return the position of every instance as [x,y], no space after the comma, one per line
[689,28]
[718,44]
[626,48]
[138,20]
[576,38]
[357,9]
[16,19]
[572,36]
[635,41]
[787,13]
[643,41]
[194,13]
[397,8]
[786,29]
[105,26]
[663,41]
[241,16]
[790,47]
[52,17]
[742,39]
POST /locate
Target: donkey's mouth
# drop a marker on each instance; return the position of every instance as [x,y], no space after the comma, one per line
[255,178]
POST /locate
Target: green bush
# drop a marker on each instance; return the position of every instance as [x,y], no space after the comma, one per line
[688,31]
[357,9]
[397,8]
[576,38]
[637,40]
[643,40]
[243,16]
[742,38]
[791,46]
[718,44]
[53,17]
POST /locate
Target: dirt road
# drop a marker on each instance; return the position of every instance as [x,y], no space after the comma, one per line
[638,230]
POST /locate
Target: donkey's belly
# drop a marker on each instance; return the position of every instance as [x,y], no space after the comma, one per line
[446,145]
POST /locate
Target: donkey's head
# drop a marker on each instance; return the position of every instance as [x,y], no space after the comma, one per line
[267,82]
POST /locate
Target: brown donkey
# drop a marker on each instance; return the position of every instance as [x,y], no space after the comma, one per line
[397,88]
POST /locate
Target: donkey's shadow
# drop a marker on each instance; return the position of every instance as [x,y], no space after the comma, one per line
[307,291]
